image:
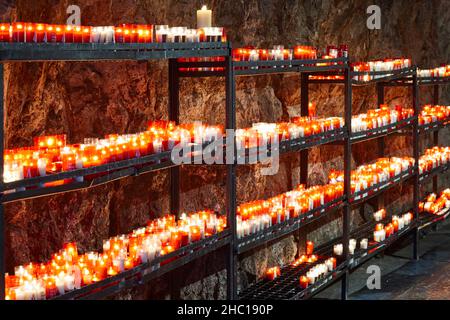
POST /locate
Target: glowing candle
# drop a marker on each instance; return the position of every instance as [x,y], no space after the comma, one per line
[204,18]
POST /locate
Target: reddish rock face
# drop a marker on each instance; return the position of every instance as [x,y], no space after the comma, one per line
[93,99]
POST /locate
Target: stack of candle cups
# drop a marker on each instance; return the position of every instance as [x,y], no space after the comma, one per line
[259,215]
[125,33]
[368,175]
[434,204]
[50,154]
[379,65]
[382,232]
[377,118]
[430,114]
[433,158]
[68,270]
[439,72]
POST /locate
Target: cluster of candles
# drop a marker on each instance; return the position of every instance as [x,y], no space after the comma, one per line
[376,118]
[299,127]
[368,175]
[125,33]
[434,204]
[261,214]
[314,274]
[379,65]
[398,223]
[51,154]
[430,114]
[442,71]
[433,158]
[279,53]
[68,270]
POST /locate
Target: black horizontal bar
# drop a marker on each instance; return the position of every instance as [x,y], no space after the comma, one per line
[280,230]
[392,75]
[201,74]
[294,62]
[366,135]
[433,80]
[425,176]
[113,51]
[119,281]
[428,219]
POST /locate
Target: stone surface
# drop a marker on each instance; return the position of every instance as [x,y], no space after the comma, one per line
[93,99]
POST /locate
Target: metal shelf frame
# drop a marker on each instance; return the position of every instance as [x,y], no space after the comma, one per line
[30,188]
[339,72]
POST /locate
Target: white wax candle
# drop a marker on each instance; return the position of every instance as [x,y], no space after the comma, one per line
[204,18]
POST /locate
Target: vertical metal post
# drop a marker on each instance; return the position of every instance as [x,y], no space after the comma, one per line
[2,216]
[435,133]
[347,177]
[231,181]
[381,141]
[415,93]
[304,103]
[174,115]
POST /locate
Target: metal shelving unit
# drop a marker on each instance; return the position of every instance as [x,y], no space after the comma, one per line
[30,188]
[286,287]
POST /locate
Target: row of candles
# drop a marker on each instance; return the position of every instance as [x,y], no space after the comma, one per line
[299,127]
[69,270]
[255,216]
[280,53]
[378,65]
[433,158]
[51,154]
[315,273]
[430,114]
[436,204]
[439,72]
[383,116]
[367,175]
[126,33]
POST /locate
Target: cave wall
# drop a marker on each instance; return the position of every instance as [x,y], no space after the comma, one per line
[94,99]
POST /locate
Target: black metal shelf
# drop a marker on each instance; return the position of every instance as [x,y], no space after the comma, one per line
[423,81]
[379,188]
[383,131]
[386,76]
[112,51]
[148,271]
[280,230]
[429,220]
[249,68]
[434,126]
[425,176]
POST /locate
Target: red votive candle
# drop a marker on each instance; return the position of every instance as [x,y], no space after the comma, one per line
[309,248]
[68,34]
[18,32]
[29,32]
[4,32]
[77,35]
[86,35]
[39,33]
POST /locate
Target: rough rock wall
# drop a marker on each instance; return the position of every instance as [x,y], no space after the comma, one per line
[92,99]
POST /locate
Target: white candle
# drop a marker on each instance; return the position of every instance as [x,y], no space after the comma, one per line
[363,244]
[204,18]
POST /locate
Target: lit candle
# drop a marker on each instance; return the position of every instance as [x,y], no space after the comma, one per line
[204,18]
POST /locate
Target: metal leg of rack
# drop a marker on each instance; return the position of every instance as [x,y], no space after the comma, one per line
[381,142]
[174,115]
[304,103]
[435,133]
[2,216]
[415,94]
[231,182]
[347,177]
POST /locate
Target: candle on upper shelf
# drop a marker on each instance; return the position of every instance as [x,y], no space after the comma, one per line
[204,17]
